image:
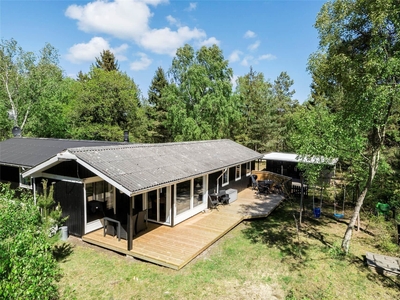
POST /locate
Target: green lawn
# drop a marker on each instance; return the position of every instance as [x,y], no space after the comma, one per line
[262,259]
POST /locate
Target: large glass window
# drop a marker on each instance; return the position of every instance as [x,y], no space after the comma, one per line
[163,204]
[152,205]
[238,172]
[225,178]
[248,168]
[198,191]
[99,196]
[182,197]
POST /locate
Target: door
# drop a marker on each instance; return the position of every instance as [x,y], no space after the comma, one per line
[159,205]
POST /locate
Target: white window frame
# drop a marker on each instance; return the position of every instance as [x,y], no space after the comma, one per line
[96,224]
[23,181]
[248,168]
[238,167]
[226,174]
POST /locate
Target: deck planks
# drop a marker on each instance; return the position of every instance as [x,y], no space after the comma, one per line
[174,247]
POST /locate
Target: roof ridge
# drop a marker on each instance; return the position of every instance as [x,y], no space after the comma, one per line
[144,145]
[59,139]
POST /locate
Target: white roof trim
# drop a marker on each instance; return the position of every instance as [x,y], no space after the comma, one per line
[44,165]
[293,157]
[65,155]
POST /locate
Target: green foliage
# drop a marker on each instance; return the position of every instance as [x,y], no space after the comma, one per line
[355,89]
[107,61]
[51,213]
[157,108]
[27,267]
[199,99]
[256,101]
[105,105]
[386,233]
[265,111]
[28,85]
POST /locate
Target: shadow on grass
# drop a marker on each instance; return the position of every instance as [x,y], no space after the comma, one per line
[62,250]
[279,230]
[375,275]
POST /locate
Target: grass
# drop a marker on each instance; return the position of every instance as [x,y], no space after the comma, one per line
[261,259]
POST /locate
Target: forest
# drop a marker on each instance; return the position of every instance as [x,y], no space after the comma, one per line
[352,114]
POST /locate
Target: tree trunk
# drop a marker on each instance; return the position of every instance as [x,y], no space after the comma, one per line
[373,166]
[301,200]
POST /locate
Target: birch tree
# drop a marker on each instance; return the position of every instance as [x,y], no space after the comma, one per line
[356,74]
[24,76]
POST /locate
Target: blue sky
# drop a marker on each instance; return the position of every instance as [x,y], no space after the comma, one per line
[271,36]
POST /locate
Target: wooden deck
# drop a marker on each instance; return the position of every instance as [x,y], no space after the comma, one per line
[174,247]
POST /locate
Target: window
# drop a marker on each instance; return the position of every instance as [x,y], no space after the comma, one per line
[198,191]
[24,182]
[99,197]
[238,172]
[248,168]
[225,178]
[183,197]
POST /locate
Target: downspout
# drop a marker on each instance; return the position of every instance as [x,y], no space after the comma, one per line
[223,172]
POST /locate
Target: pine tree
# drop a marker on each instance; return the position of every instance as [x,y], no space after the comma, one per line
[107,61]
[157,112]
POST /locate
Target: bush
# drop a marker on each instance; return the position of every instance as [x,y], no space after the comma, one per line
[28,269]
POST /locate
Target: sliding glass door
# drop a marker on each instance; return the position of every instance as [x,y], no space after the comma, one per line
[159,205]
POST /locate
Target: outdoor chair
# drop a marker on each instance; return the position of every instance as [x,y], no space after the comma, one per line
[132,224]
[254,184]
[213,203]
[225,199]
[262,189]
[109,222]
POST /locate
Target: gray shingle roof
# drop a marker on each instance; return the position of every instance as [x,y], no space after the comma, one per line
[142,166]
[29,152]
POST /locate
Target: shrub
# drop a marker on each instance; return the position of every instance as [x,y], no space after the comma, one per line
[28,269]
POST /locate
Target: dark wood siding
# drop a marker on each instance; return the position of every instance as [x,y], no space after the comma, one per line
[212,181]
[289,168]
[240,185]
[70,169]
[10,174]
[70,196]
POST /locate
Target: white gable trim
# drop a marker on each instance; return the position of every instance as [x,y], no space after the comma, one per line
[65,156]
[45,165]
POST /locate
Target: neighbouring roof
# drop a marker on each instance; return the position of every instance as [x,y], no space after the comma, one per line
[29,152]
[137,167]
[292,157]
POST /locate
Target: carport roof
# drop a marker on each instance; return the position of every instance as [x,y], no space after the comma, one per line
[293,157]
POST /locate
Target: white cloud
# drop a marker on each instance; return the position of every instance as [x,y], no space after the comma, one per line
[249,34]
[254,46]
[85,52]
[246,61]
[172,21]
[129,20]
[166,41]
[235,56]
[142,63]
[192,6]
[267,57]
[233,80]
[209,42]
